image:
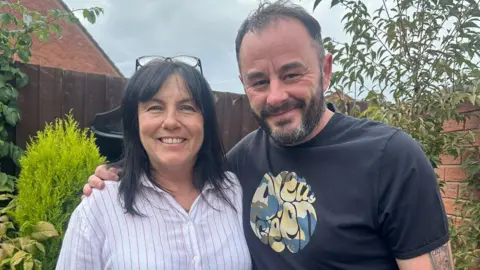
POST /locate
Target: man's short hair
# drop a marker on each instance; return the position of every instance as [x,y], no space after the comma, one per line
[268,12]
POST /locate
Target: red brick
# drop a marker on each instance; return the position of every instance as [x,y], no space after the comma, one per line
[453,125]
[452,207]
[473,267]
[455,173]
[472,120]
[75,51]
[467,108]
[450,190]
[449,206]
[440,172]
[450,160]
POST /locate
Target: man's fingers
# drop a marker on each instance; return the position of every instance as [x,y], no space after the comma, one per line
[95,182]
[87,190]
[113,173]
[102,173]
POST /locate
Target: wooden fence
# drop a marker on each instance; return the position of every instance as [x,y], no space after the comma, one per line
[53,92]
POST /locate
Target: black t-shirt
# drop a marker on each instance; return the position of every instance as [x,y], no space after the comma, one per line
[357,196]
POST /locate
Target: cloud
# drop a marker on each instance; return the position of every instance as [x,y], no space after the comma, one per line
[205,29]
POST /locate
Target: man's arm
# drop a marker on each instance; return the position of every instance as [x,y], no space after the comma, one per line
[437,259]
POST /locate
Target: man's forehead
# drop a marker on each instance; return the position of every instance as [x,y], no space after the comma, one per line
[288,36]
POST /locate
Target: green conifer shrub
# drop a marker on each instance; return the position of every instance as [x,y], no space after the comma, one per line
[56,165]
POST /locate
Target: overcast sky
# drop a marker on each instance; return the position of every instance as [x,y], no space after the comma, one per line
[205,29]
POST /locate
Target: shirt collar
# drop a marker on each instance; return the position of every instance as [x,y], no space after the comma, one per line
[208,186]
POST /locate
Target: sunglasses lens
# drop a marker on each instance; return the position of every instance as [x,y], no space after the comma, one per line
[186,59]
[142,61]
[191,61]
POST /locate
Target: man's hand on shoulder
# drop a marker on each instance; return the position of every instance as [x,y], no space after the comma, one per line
[102,173]
[438,259]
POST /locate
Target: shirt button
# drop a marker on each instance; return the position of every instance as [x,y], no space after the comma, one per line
[196,259]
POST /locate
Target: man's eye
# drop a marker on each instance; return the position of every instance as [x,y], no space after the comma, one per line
[260,83]
[292,76]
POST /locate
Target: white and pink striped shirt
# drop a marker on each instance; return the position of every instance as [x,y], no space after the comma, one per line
[101,236]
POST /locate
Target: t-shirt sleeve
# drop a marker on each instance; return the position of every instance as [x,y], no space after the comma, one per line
[412,216]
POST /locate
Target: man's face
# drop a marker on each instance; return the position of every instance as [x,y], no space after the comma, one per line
[281,74]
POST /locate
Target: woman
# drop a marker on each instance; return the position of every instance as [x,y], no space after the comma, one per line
[175,206]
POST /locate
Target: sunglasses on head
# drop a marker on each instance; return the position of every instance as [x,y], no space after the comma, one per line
[186,59]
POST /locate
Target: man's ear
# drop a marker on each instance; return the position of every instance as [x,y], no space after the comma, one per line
[327,71]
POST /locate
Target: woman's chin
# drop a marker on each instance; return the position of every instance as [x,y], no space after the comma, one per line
[174,163]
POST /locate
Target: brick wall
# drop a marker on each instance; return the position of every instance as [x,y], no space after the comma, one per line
[76,51]
[451,170]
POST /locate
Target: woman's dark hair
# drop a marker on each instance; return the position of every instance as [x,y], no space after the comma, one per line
[210,164]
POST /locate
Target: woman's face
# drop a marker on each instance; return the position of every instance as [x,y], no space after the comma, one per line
[171,126]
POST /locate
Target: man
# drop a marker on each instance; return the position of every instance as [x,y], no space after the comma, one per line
[323,190]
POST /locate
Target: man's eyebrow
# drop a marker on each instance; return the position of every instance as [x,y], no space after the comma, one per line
[255,75]
[292,65]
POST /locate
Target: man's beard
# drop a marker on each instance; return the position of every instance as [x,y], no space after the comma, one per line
[310,118]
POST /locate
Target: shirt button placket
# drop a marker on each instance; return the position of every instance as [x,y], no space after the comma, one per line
[193,237]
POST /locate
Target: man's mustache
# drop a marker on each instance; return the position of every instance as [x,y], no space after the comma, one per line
[290,104]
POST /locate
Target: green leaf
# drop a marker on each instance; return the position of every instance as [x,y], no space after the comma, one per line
[42,35]
[7,93]
[22,80]
[12,116]
[6,18]
[56,29]
[8,248]
[18,258]
[334,3]
[90,16]
[4,197]
[15,153]
[316,4]
[24,56]
[44,230]
[40,247]
[4,227]
[469,24]
[3,179]
[28,264]
[24,40]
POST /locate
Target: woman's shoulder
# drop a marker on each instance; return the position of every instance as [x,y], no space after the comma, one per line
[231,180]
[109,191]
[101,200]
[232,184]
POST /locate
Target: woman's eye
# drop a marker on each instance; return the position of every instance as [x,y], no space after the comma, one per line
[155,108]
[188,108]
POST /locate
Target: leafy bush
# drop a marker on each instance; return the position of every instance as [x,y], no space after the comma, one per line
[55,167]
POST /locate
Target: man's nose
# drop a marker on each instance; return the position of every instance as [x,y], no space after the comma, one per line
[277,94]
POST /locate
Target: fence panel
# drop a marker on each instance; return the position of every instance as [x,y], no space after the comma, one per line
[53,92]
